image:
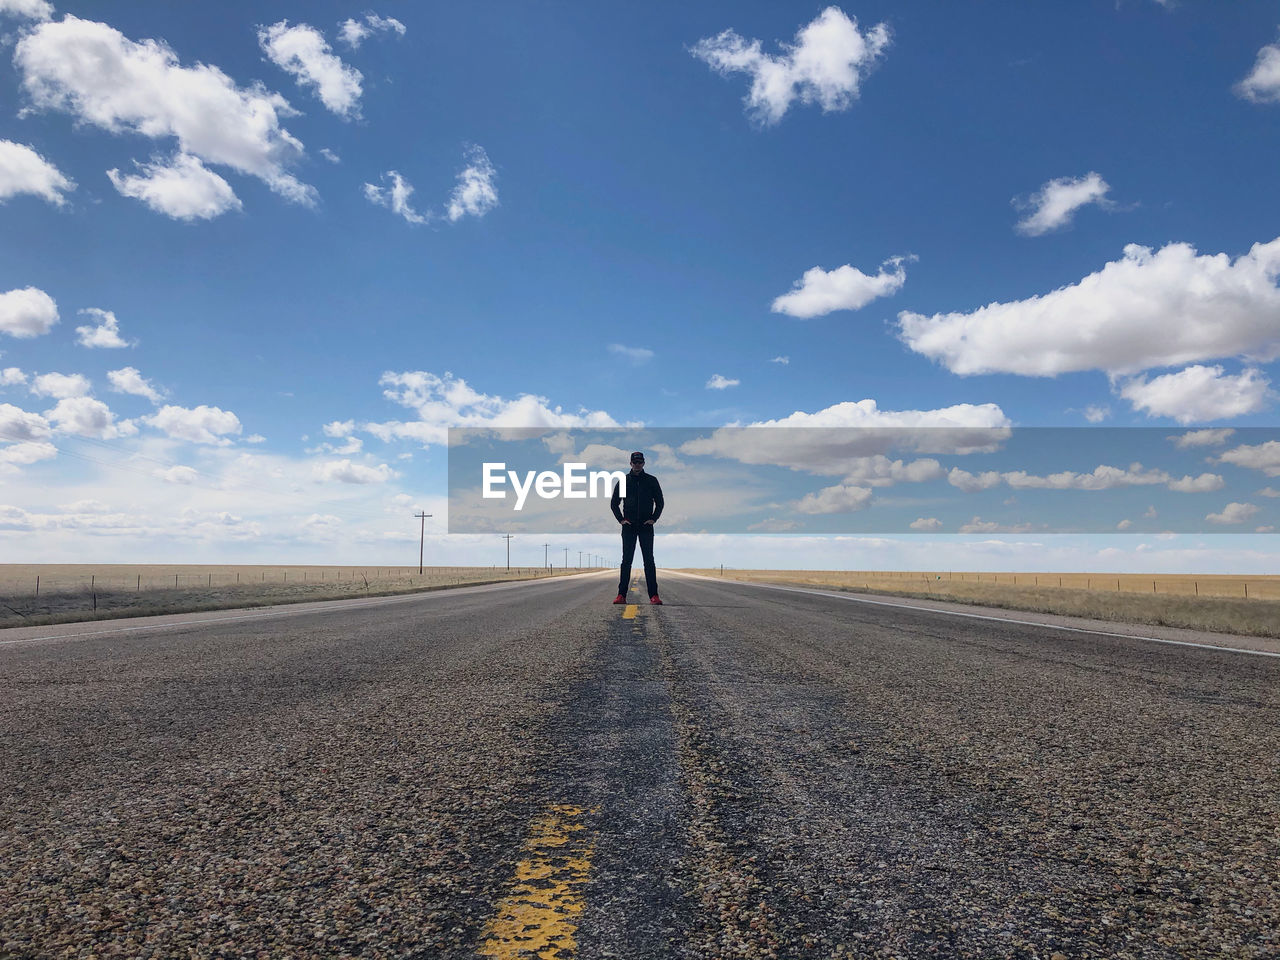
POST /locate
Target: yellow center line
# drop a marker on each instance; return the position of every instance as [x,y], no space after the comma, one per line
[538,918]
[630,612]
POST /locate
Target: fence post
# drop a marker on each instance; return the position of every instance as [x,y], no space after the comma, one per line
[37,584]
[1246,589]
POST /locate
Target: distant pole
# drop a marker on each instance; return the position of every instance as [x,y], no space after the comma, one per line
[566,558]
[579,563]
[545,548]
[507,537]
[422,536]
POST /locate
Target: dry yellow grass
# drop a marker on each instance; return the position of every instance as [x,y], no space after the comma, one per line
[1222,604]
[36,593]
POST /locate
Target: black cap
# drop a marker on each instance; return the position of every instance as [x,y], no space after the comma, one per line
[637,455]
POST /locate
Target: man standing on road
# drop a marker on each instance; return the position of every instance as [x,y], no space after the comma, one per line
[639,511]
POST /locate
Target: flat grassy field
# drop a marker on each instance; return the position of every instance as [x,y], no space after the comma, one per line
[1221,604]
[36,593]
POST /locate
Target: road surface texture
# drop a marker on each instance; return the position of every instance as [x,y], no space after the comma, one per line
[528,770]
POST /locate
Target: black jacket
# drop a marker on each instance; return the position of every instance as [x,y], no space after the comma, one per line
[643,500]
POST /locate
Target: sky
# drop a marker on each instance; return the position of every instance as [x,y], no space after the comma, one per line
[258,258]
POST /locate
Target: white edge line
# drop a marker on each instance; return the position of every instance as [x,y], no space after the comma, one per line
[329,606]
[980,616]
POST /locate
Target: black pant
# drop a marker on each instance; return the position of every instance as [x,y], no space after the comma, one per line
[644,533]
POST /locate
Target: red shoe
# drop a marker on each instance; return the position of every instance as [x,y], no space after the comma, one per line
[656,600]
[621,598]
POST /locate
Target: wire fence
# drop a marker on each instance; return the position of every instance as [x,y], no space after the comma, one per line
[25,581]
[1181,585]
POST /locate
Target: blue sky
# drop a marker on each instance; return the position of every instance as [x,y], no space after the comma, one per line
[1039,215]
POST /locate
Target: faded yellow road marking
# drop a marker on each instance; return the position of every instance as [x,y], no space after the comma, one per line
[630,612]
[538,918]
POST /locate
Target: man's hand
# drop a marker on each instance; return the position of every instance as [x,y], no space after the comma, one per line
[626,523]
[649,522]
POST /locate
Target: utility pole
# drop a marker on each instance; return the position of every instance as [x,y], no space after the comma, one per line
[545,547]
[507,537]
[422,536]
[566,558]
[579,559]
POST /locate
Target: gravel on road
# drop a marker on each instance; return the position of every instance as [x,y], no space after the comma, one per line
[739,773]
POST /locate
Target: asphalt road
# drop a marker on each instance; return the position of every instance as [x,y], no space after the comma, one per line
[527,770]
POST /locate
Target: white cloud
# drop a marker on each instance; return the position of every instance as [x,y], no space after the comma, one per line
[12,377]
[475,195]
[339,428]
[449,401]
[20,426]
[842,498]
[1203,307]
[774,525]
[353,32]
[129,380]
[819,292]
[105,335]
[183,188]
[781,359]
[1198,393]
[395,198]
[322,521]
[102,78]
[330,155]
[344,471]
[87,417]
[721,382]
[303,52]
[880,471]
[927,524]
[1202,438]
[22,170]
[1096,413]
[178,474]
[14,455]
[1233,513]
[826,65]
[1124,524]
[1269,492]
[61,385]
[1205,483]
[1261,456]
[27,312]
[973,482]
[637,355]
[1053,206]
[849,439]
[32,9]
[1103,477]
[1262,85]
[978,525]
[202,424]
